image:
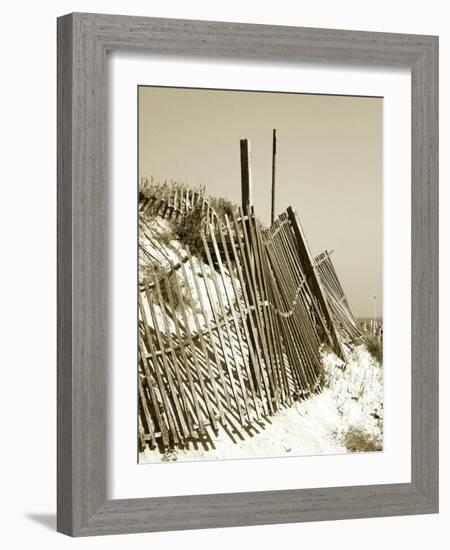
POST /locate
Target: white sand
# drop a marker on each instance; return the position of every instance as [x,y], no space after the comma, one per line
[314,426]
[353,397]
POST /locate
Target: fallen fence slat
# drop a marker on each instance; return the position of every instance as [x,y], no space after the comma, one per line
[152,301]
[167,408]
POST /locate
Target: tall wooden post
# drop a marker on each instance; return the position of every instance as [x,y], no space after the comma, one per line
[247,203]
[274,155]
[246,175]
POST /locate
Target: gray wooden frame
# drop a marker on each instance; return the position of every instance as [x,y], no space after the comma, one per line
[83,40]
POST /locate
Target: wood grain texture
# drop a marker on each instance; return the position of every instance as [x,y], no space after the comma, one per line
[64,275]
[425,273]
[83,243]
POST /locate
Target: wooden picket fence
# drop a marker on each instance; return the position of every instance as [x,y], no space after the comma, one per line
[230,338]
[343,319]
[178,204]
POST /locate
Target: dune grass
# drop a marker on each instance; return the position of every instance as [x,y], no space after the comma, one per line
[356,440]
[189,227]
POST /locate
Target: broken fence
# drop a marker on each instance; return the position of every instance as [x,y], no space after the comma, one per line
[230,338]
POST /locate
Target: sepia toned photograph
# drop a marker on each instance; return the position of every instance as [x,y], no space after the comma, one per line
[260,274]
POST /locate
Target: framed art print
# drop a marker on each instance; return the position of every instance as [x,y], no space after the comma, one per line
[243,329]
[247,274]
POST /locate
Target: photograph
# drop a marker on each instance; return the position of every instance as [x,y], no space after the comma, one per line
[260,274]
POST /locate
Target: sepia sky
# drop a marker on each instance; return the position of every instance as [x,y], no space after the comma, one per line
[329,165]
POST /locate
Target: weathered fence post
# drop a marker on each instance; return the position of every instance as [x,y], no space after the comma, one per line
[247,203]
[246,175]
[246,186]
[309,269]
[274,155]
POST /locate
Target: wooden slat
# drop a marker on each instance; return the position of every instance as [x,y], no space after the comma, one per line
[247,260]
[174,361]
[271,325]
[227,329]
[256,334]
[203,347]
[277,335]
[193,392]
[159,378]
[198,370]
[219,325]
[293,339]
[308,265]
[268,378]
[209,328]
[237,325]
[147,414]
[167,371]
[160,422]
[309,340]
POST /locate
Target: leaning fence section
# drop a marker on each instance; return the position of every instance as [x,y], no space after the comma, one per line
[230,337]
[176,204]
[342,316]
